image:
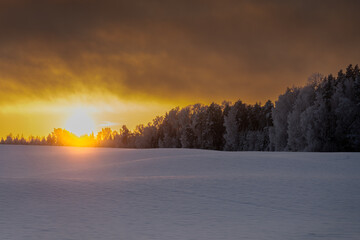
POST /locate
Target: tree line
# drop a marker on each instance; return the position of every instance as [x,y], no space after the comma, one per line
[323,115]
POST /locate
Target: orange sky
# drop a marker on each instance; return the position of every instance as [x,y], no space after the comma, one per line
[129,61]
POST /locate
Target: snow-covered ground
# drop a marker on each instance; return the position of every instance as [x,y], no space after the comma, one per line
[98,193]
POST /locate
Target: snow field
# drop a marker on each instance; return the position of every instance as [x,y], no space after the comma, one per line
[98,193]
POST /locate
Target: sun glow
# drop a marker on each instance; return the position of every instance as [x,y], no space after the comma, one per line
[80,122]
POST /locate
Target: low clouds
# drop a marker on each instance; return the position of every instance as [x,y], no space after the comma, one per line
[171,50]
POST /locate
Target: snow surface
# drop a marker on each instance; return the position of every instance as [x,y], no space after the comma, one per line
[98,193]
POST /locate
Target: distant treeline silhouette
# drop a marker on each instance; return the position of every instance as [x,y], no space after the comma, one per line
[324,115]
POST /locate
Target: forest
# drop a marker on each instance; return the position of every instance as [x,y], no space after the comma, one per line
[323,115]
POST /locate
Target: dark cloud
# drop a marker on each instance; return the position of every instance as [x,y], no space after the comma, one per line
[193,50]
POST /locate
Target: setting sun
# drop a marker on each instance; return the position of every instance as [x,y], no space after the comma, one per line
[80,122]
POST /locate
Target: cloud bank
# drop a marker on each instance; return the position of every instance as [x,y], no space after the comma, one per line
[171,50]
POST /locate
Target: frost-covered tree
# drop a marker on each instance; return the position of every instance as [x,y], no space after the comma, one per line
[346,110]
[297,124]
[247,127]
[146,136]
[283,107]
[169,130]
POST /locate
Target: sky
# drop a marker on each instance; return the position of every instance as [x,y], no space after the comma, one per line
[127,61]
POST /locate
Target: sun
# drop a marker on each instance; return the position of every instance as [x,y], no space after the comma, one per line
[80,122]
